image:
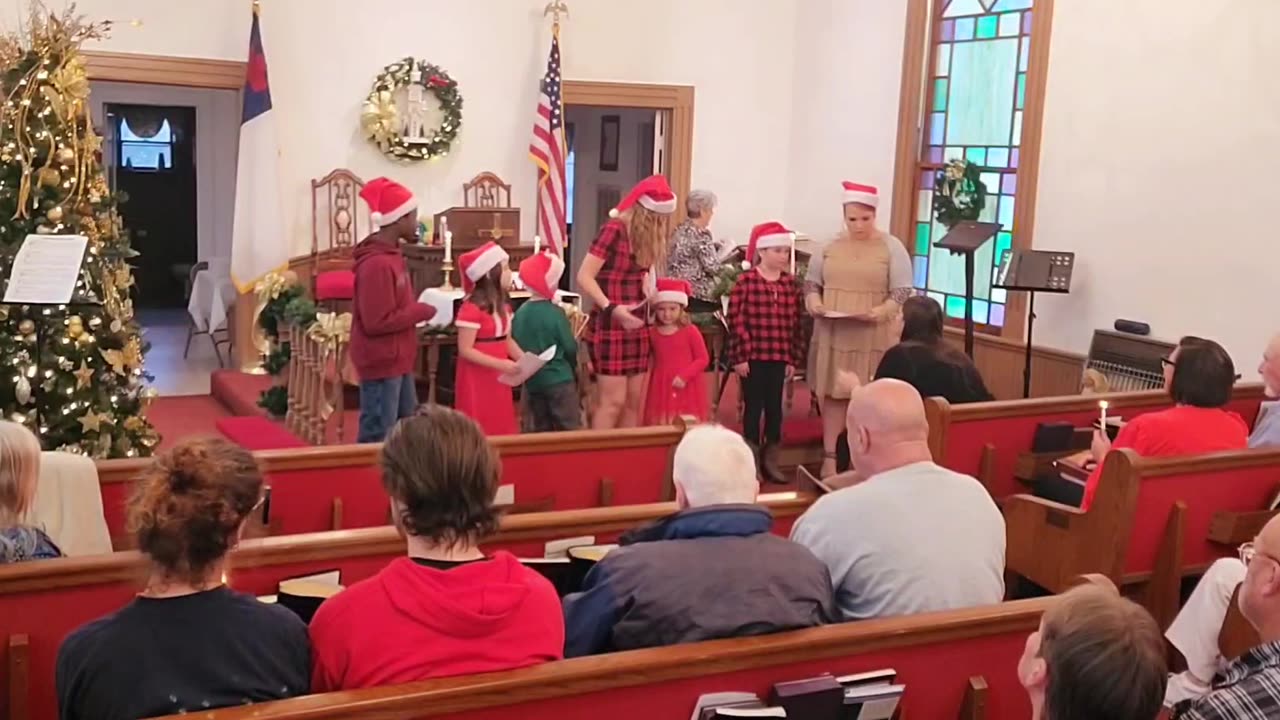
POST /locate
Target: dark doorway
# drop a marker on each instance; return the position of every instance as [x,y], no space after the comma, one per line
[155,166]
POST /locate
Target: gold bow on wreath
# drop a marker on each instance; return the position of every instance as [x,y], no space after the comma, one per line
[380,119]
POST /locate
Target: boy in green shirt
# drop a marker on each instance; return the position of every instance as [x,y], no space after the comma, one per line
[551,395]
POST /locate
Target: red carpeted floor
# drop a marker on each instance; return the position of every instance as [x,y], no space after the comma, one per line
[235,394]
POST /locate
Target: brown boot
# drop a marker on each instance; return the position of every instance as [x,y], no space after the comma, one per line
[769,469]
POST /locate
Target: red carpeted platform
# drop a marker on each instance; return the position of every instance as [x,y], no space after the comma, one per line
[185,416]
[238,391]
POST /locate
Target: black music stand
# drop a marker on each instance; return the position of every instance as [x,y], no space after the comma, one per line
[964,239]
[1033,271]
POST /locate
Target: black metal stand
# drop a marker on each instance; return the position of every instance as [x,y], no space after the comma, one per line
[968,304]
[1031,323]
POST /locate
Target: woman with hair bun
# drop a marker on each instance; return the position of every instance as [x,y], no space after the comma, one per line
[187,642]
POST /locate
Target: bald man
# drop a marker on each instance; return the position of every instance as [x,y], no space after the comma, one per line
[911,537]
[1248,688]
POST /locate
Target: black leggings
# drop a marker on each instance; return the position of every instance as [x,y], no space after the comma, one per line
[762,395]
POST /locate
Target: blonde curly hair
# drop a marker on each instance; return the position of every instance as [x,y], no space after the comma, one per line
[649,233]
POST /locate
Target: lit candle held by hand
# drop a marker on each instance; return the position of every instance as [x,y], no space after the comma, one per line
[537,244]
[1102,408]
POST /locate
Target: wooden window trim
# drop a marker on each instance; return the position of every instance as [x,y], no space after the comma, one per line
[917,66]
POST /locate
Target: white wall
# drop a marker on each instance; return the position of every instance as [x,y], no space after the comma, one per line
[846,77]
[1159,170]
[589,177]
[324,54]
[217,133]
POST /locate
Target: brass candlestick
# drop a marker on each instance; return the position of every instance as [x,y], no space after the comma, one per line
[447,267]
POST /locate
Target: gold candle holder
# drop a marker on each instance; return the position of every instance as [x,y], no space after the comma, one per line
[447,268]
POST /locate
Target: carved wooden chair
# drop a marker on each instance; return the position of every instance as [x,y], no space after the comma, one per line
[486,190]
[337,224]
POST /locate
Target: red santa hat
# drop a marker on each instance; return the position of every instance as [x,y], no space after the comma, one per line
[673,290]
[479,262]
[653,193]
[388,201]
[768,235]
[862,194]
[541,273]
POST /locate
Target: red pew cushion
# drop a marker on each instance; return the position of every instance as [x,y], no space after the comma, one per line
[336,285]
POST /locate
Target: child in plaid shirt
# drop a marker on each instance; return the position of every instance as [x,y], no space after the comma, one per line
[766,338]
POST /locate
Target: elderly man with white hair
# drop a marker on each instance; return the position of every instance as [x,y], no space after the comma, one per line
[695,256]
[711,570]
[908,536]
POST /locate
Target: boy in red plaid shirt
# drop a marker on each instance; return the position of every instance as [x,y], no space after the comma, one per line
[766,338]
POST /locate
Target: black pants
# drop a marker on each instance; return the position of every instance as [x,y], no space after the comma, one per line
[762,395]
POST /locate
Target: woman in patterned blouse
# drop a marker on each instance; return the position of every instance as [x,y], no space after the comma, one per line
[695,256]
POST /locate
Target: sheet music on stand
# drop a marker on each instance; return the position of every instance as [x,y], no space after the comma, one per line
[1033,271]
[45,270]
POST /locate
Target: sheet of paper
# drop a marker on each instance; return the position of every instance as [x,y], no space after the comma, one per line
[711,700]
[506,495]
[526,366]
[45,269]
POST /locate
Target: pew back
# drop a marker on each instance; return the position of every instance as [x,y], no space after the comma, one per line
[562,471]
[934,654]
[48,599]
[985,439]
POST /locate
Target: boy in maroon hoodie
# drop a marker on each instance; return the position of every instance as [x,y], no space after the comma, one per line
[448,608]
[384,342]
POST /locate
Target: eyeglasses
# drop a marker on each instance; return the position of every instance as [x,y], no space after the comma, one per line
[1249,551]
[1168,362]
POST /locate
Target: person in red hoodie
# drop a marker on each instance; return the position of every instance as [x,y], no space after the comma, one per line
[446,609]
[384,342]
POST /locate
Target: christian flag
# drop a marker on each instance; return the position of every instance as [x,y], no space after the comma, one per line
[259,243]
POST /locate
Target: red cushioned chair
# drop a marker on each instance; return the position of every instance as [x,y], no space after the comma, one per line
[336,220]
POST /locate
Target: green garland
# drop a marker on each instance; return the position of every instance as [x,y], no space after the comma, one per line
[291,307]
[959,193]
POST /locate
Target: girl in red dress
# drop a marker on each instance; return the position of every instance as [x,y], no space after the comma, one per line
[616,275]
[485,348]
[679,358]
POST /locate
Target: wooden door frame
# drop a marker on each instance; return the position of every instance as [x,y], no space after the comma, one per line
[677,99]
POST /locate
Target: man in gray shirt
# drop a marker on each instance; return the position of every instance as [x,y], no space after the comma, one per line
[1266,429]
[912,536]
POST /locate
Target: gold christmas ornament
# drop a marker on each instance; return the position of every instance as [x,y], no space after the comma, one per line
[55,214]
[48,177]
[83,376]
[66,155]
[133,423]
[115,359]
[75,326]
[92,421]
[86,339]
[27,326]
[22,390]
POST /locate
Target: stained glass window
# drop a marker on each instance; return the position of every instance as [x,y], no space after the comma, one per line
[974,111]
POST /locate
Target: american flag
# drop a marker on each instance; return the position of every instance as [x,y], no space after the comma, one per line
[548,152]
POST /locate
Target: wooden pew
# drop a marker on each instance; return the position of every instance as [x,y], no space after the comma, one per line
[955,664]
[985,440]
[1149,522]
[339,486]
[40,602]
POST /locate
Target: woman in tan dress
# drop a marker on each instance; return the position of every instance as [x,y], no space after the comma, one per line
[864,276]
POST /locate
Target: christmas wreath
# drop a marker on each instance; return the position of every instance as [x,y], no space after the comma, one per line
[959,193]
[397,130]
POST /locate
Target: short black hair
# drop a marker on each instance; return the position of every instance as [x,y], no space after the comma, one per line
[1203,374]
[921,320]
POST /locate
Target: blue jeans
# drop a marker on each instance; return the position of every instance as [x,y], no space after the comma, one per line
[382,403]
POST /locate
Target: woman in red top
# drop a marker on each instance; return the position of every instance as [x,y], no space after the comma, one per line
[1199,376]
[680,358]
[617,276]
[485,347]
[447,608]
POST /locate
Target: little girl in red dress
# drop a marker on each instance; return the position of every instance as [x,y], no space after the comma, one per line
[486,350]
[679,358]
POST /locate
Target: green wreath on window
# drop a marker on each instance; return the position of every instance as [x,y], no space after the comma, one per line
[959,193]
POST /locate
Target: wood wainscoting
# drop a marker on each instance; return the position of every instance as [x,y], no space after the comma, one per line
[1053,372]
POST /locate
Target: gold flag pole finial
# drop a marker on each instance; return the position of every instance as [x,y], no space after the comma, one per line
[556,9]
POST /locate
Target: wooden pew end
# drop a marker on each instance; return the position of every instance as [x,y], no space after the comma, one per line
[18,668]
[974,706]
[335,515]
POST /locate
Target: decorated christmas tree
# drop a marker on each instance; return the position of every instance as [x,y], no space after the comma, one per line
[74,372]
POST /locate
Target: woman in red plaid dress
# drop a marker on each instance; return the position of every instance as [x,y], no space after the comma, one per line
[617,275]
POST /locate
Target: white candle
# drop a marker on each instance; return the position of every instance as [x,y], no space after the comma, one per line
[448,246]
[793,253]
[537,244]
[1102,406]
[444,227]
